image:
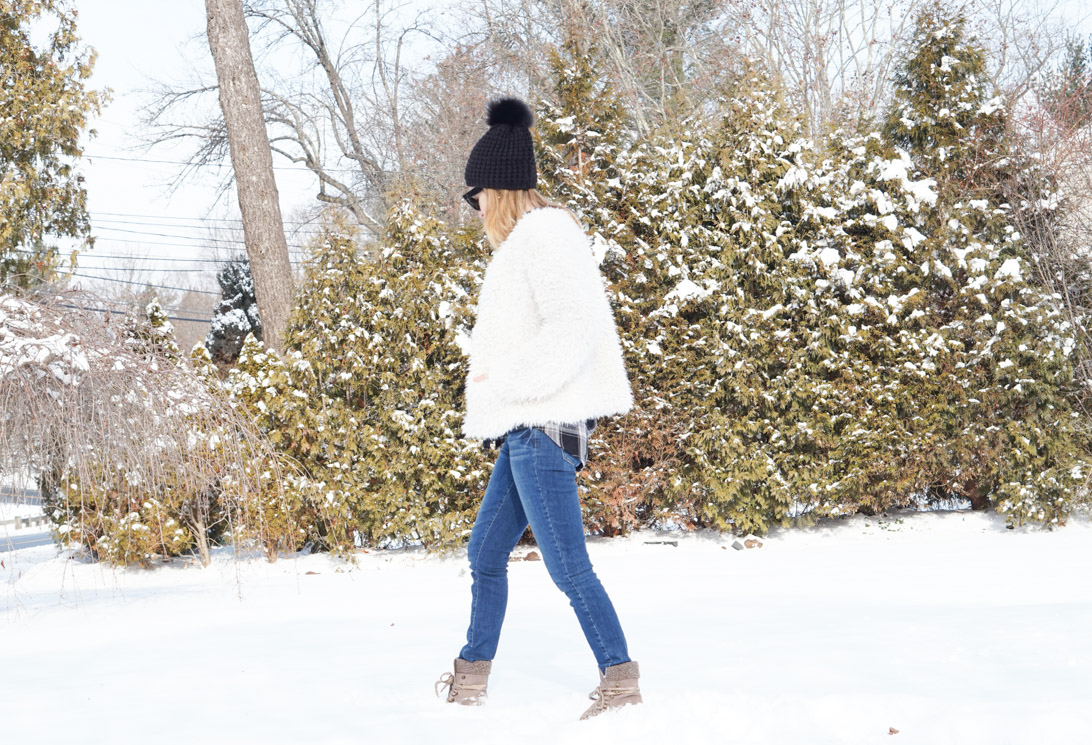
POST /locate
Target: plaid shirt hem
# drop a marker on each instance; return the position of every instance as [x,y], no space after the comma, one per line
[572,437]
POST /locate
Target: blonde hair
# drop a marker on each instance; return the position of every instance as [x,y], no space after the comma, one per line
[507,206]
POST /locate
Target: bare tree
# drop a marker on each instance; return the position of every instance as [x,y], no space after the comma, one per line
[450,103]
[835,56]
[662,54]
[513,35]
[335,101]
[1024,39]
[663,57]
[306,119]
[1052,196]
[135,284]
[252,160]
[198,307]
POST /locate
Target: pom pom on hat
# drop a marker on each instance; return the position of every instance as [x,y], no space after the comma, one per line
[504,157]
[509,111]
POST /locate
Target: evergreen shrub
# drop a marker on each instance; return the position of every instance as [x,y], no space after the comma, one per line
[819,329]
[811,328]
[369,399]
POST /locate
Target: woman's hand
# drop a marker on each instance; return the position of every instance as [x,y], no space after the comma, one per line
[481,377]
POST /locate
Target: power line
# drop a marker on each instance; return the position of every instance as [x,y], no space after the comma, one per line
[91,255]
[299,250]
[179,225]
[293,247]
[235,220]
[201,239]
[217,166]
[121,310]
[167,258]
[142,284]
[167,270]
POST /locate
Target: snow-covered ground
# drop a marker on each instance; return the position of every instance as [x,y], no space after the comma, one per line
[944,626]
[11,510]
[14,490]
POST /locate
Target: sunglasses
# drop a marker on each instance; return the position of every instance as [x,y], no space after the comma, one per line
[471,198]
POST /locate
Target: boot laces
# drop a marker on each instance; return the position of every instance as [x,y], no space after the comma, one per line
[447,680]
[605,693]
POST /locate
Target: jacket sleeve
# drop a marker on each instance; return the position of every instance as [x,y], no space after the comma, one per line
[567,290]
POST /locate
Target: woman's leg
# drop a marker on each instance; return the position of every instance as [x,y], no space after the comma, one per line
[497,529]
[545,477]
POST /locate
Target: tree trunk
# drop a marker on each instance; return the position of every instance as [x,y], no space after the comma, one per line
[252,159]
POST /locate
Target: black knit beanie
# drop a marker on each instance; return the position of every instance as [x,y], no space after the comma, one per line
[504,157]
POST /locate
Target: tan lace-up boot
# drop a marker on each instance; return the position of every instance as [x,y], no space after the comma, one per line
[617,688]
[467,685]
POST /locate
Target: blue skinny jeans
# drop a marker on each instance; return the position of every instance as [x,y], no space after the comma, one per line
[534,482]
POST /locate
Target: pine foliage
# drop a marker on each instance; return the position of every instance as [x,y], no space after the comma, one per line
[370,400]
[45,105]
[810,329]
[821,330]
[236,314]
[579,129]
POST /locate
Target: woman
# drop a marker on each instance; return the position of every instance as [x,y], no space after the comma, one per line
[545,362]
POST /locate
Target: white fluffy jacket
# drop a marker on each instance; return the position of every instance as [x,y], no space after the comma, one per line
[545,335]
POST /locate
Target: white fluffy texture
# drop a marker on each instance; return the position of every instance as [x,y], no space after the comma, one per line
[824,636]
[545,335]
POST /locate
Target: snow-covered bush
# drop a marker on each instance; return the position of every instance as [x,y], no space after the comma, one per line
[266,389]
[138,457]
[369,399]
[820,329]
[236,314]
